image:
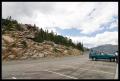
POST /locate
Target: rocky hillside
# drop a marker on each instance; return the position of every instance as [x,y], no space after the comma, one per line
[18,43]
[108,48]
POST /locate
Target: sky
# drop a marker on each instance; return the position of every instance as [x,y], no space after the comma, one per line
[92,23]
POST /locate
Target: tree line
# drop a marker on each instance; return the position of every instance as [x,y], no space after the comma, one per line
[58,39]
[12,25]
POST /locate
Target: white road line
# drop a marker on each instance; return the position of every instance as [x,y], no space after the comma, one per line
[62,67]
[116,74]
[75,63]
[89,69]
[101,66]
[58,68]
[67,66]
[91,64]
[61,74]
[14,78]
[97,71]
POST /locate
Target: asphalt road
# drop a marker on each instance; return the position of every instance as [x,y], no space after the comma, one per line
[72,67]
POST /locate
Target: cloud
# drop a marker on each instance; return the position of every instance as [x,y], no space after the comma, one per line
[15,9]
[86,17]
[99,39]
[101,15]
[114,24]
[63,14]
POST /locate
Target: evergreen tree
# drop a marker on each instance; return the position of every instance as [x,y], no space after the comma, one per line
[10,24]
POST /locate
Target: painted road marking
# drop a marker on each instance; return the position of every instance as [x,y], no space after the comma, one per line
[92,64]
[61,74]
[89,69]
[14,78]
[98,71]
[116,74]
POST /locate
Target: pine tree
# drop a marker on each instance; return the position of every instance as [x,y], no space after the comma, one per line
[41,35]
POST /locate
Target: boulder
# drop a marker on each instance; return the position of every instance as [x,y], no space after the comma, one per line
[41,55]
[55,45]
[30,54]
[8,39]
[3,41]
[11,56]
[75,52]
[59,50]
[23,57]
[34,51]
[35,56]
[49,42]
[45,53]
[26,54]
[4,48]
[17,49]
[65,52]
[51,49]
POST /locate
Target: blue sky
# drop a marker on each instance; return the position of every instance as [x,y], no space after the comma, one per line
[93,23]
[77,32]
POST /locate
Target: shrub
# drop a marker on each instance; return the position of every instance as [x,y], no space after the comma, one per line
[55,50]
[24,44]
[19,28]
[14,45]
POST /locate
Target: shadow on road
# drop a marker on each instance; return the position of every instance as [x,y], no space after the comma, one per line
[103,60]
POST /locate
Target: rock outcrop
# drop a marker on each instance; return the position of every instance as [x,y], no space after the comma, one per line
[17,45]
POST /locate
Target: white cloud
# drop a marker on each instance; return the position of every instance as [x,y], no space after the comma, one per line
[63,14]
[114,25]
[103,14]
[85,16]
[99,39]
